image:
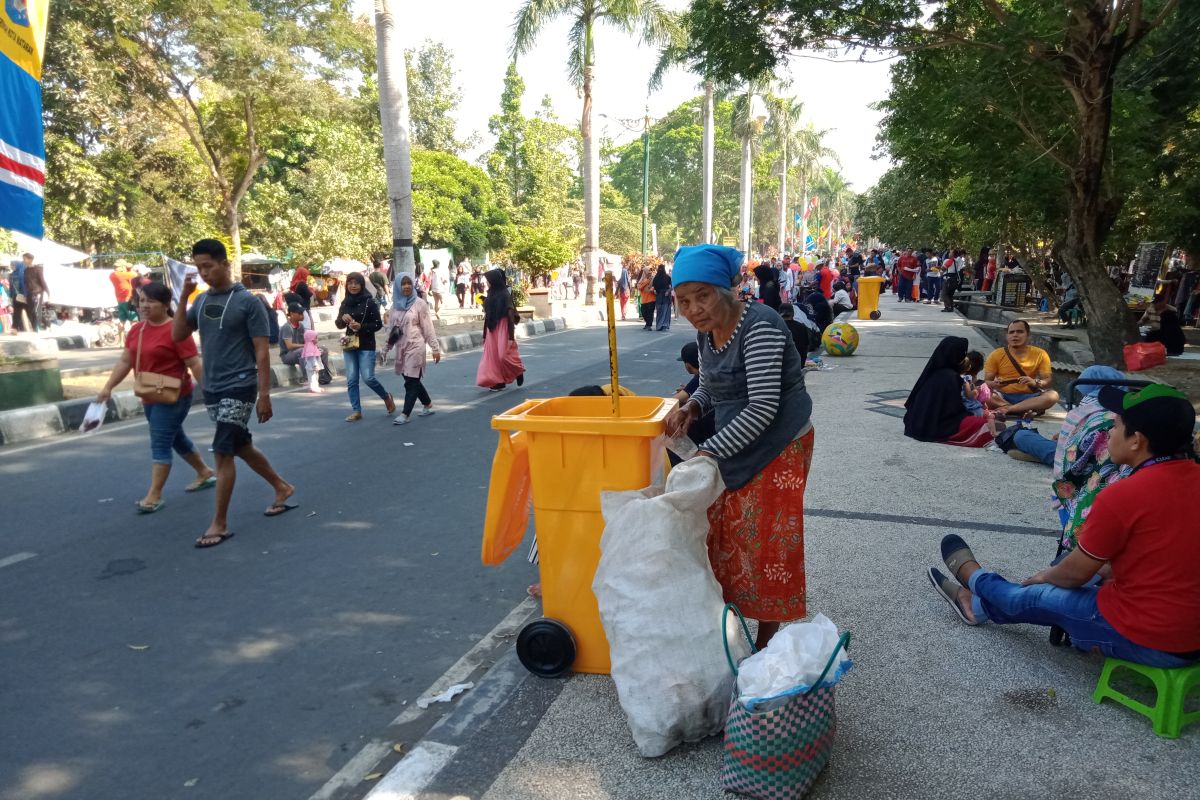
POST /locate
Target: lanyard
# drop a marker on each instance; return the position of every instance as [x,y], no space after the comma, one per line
[1161,460]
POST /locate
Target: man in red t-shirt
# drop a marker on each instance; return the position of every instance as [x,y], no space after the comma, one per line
[828,276]
[909,268]
[1139,540]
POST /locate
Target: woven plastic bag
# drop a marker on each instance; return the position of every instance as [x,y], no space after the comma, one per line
[660,606]
[776,747]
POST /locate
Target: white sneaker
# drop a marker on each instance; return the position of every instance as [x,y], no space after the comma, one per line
[426,412]
[400,420]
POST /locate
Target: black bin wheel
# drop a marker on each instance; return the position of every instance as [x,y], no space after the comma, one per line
[876,314]
[546,648]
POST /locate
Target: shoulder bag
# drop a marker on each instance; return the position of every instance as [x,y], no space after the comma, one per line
[349,339]
[153,387]
[1017,366]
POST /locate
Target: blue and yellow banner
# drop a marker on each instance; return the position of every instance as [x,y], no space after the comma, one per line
[22,148]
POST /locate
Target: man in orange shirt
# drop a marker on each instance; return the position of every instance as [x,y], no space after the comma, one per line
[122,280]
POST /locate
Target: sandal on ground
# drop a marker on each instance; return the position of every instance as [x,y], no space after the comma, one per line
[280,508]
[391,404]
[212,539]
[355,417]
[955,553]
[948,589]
[400,419]
[142,508]
[1021,455]
[201,483]
[426,412]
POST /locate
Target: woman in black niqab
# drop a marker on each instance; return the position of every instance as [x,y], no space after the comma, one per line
[935,409]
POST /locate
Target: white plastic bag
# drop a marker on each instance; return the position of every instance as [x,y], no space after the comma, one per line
[793,660]
[661,609]
[93,418]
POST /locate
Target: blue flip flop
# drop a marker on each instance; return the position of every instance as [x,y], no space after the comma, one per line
[207,483]
[144,509]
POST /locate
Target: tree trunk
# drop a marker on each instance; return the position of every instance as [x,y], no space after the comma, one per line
[1091,210]
[783,204]
[708,162]
[234,223]
[393,116]
[804,210]
[591,190]
[746,198]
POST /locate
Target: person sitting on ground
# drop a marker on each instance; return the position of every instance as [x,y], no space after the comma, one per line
[934,408]
[1082,462]
[1019,374]
[841,299]
[1139,542]
[821,311]
[1030,445]
[975,392]
[1070,301]
[1160,323]
[768,285]
[805,333]
[291,346]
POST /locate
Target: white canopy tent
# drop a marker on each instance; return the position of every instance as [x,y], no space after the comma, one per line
[341,266]
[46,252]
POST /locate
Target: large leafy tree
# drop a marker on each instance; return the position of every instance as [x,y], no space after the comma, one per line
[1052,53]
[645,18]
[229,75]
[434,98]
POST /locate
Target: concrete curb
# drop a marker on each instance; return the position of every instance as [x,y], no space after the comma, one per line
[52,419]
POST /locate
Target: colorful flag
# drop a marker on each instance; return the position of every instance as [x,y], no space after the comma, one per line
[816,201]
[22,148]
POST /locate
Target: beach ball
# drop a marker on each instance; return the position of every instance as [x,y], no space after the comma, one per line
[840,339]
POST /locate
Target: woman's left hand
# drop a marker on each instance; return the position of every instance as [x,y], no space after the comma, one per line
[437,357]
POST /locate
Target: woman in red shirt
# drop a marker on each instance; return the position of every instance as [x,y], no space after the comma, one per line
[160,354]
[1131,587]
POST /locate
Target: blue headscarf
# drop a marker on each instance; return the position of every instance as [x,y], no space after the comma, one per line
[399,301]
[707,263]
[1098,373]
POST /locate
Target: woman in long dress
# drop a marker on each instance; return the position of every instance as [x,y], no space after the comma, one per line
[411,315]
[501,362]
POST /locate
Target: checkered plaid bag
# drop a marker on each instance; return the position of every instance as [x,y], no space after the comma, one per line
[776,749]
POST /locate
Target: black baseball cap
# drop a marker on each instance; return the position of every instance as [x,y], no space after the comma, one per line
[295,308]
[690,354]
[1161,412]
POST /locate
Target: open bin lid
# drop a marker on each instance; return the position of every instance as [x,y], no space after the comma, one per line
[508,499]
[640,416]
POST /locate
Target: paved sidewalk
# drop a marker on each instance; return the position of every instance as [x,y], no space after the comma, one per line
[932,708]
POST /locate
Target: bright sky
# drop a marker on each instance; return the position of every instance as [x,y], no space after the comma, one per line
[836,96]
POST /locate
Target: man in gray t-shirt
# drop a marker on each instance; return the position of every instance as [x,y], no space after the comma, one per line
[234,332]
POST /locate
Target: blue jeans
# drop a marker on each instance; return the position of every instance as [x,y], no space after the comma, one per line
[1018,397]
[995,599]
[361,363]
[166,429]
[1036,445]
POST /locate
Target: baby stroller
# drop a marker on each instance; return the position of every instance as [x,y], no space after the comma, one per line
[1058,636]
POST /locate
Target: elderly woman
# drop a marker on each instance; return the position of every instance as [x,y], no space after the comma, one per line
[752,378]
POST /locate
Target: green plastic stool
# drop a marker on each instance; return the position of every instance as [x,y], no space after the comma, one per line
[1172,687]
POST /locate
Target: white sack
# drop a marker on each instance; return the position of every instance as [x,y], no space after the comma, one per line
[661,609]
[794,659]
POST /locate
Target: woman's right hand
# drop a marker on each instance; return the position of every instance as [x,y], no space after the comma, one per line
[681,418]
[103,395]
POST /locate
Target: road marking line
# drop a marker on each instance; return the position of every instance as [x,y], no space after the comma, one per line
[374,751]
[15,559]
[415,771]
[354,771]
[462,668]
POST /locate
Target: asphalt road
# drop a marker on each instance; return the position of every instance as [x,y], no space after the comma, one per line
[133,665]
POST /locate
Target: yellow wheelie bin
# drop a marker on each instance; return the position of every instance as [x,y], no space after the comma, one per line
[563,452]
[868,297]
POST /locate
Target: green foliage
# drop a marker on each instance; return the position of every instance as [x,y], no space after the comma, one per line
[433,98]
[539,250]
[455,206]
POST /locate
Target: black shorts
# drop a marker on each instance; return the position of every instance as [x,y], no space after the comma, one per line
[231,411]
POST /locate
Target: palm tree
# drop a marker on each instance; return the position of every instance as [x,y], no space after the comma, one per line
[784,129]
[810,150]
[646,18]
[839,202]
[750,116]
[393,116]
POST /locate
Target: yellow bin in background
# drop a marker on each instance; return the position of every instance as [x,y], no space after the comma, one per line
[564,452]
[868,297]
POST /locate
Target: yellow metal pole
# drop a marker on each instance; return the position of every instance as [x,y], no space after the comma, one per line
[612,345]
